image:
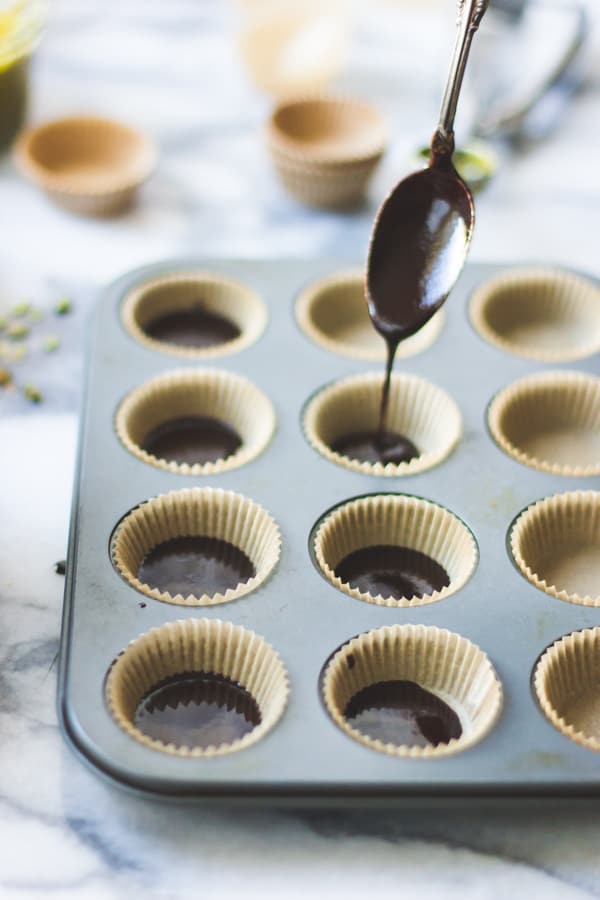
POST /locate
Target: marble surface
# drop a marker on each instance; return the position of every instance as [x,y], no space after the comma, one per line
[172,68]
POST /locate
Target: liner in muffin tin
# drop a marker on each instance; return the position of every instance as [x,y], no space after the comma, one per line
[194,646]
[556,545]
[205,512]
[401,520]
[566,683]
[188,290]
[442,662]
[229,398]
[542,314]
[550,421]
[333,313]
[417,409]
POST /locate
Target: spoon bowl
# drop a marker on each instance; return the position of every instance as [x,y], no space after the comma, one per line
[418,248]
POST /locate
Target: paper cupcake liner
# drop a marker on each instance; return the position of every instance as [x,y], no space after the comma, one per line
[333,190]
[417,409]
[195,646]
[229,398]
[325,129]
[53,156]
[397,520]
[443,663]
[555,543]
[325,149]
[197,512]
[188,290]
[566,684]
[551,422]
[542,314]
[333,313]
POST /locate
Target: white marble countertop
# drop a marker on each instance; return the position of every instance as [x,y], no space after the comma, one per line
[171,68]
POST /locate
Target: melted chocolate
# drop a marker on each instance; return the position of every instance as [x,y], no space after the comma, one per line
[195,565]
[402,713]
[417,251]
[392,572]
[374,446]
[197,709]
[192,439]
[193,327]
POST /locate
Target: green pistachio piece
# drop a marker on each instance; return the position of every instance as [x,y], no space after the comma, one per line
[32,393]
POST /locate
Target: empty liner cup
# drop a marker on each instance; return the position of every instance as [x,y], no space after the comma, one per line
[333,313]
[198,647]
[194,315]
[555,542]
[417,410]
[566,684]
[325,149]
[446,665]
[404,522]
[229,400]
[238,524]
[551,422]
[542,314]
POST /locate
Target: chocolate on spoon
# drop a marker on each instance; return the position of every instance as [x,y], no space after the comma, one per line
[423,230]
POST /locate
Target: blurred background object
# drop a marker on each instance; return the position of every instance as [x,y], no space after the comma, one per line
[290,47]
[20,29]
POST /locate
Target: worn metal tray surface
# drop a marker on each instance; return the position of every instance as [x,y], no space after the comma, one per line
[306,758]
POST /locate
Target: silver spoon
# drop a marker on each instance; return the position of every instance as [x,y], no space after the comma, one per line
[422,231]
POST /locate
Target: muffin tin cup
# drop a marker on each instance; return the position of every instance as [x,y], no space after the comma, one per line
[540,314]
[213,393]
[417,410]
[197,646]
[187,291]
[197,512]
[398,520]
[566,685]
[333,313]
[551,422]
[444,663]
[556,545]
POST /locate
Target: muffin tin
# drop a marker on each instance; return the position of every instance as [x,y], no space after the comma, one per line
[298,638]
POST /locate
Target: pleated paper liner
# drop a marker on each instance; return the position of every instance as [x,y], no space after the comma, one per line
[188,293]
[417,409]
[195,647]
[556,544]
[325,187]
[197,512]
[566,682]
[551,422]
[542,314]
[443,663]
[89,165]
[325,148]
[213,394]
[333,313]
[395,520]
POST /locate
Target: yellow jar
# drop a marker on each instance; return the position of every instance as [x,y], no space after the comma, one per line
[20,28]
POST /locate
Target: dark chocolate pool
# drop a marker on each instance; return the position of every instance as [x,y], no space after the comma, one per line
[192,439]
[402,713]
[195,565]
[197,709]
[392,572]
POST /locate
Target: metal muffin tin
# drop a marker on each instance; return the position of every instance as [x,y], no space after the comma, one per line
[306,758]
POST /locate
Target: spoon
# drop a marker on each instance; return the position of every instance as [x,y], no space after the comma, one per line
[423,230]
